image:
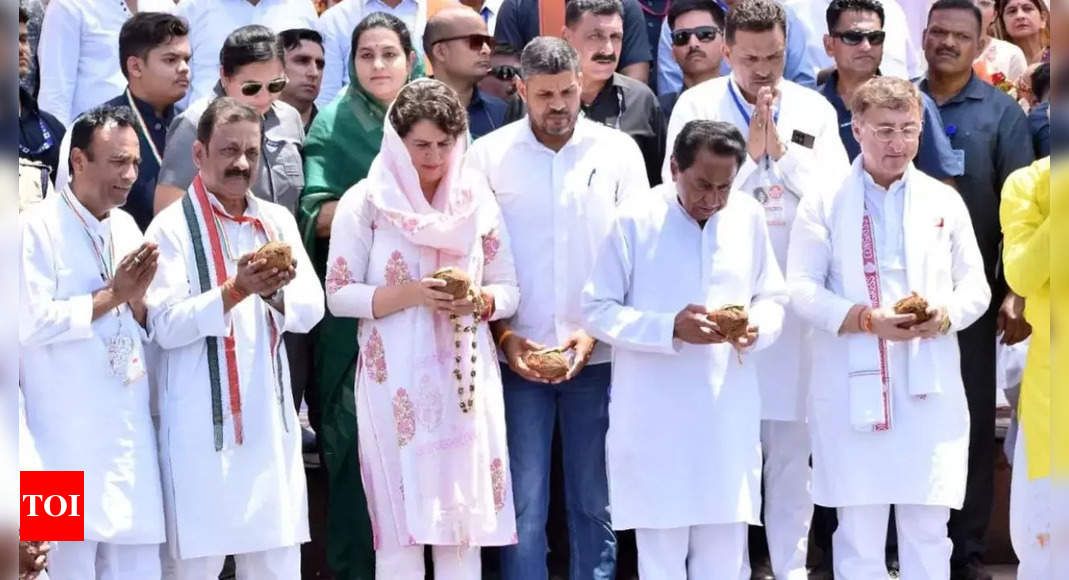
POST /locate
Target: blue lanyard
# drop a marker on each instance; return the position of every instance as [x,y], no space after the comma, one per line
[742,110]
[45,134]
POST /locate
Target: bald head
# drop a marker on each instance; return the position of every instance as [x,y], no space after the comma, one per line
[451,22]
[458,45]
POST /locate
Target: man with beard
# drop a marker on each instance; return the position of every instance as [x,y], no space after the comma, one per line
[218,311]
[303,62]
[595,28]
[992,130]
[697,44]
[459,47]
[558,179]
[794,151]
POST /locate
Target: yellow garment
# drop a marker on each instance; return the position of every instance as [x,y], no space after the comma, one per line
[1059,293]
[1025,213]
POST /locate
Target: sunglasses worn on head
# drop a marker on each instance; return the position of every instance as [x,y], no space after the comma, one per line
[252,88]
[704,33]
[505,72]
[855,37]
[475,41]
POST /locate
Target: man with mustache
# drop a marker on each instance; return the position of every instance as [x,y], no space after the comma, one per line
[558,179]
[459,46]
[84,271]
[229,435]
[993,132]
[793,150]
[697,44]
[595,28]
[856,44]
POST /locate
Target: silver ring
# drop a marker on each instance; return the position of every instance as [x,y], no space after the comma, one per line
[137,261]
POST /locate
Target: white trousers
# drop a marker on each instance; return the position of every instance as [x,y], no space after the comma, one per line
[406,563]
[788,496]
[1030,526]
[709,552]
[276,564]
[101,561]
[924,547]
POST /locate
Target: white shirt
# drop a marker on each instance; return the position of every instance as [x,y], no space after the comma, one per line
[492,7]
[683,446]
[211,21]
[79,53]
[83,416]
[337,25]
[901,55]
[558,208]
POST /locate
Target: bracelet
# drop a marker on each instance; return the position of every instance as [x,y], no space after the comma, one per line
[945,327]
[504,335]
[861,317]
[867,326]
[232,290]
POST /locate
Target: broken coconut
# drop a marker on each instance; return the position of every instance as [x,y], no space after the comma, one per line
[277,255]
[732,321]
[550,363]
[457,282]
[913,304]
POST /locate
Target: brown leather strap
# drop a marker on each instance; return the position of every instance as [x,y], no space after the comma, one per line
[550,17]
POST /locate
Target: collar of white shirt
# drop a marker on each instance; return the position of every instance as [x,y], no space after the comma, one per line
[583,128]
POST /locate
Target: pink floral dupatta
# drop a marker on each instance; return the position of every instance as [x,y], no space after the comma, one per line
[447,492]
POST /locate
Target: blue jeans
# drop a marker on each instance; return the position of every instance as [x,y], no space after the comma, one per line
[531,412]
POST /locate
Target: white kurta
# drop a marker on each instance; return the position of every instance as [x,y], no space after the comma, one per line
[683,447]
[249,497]
[82,417]
[782,368]
[930,247]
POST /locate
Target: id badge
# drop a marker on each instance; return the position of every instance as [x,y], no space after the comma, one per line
[124,359]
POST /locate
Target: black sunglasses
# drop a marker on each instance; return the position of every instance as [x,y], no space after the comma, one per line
[252,88]
[475,41]
[505,72]
[704,33]
[854,37]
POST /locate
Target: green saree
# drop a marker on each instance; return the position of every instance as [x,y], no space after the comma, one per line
[341,143]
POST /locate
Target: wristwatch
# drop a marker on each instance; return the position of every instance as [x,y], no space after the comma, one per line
[945,328]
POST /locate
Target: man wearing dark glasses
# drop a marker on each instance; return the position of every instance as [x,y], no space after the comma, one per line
[458,45]
[595,28]
[504,72]
[697,44]
[251,72]
[902,57]
[856,45]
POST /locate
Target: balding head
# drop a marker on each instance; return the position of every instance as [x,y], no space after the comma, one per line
[458,45]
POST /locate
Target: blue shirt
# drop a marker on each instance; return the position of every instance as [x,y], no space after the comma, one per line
[39,134]
[518,23]
[1039,123]
[992,130]
[485,113]
[139,203]
[936,156]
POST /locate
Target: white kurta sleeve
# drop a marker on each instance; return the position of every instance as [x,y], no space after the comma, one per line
[335,60]
[972,295]
[632,172]
[351,236]
[770,291]
[809,261]
[59,52]
[43,318]
[499,271]
[177,314]
[303,296]
[606,314]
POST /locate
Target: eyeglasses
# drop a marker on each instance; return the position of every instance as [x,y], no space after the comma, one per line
[505,72]
[475,41]
[885,134]
[854,37]
[253,88]
[704,33]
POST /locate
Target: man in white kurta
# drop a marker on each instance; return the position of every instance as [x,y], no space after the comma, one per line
[684,448]
[84,270]
[229,437]
[888,418]
[793,149]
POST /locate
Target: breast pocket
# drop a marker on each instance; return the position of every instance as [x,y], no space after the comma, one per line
[287,170]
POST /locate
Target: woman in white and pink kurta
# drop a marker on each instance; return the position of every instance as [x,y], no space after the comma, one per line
[429,405]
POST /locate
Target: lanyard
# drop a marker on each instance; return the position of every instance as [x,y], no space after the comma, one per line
[45,134]
[144,128]
[106,255]
[742,109]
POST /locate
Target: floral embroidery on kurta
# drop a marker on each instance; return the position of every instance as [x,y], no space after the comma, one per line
[375,356]
[497,480]
[491,245]
[404,417]
[339,275]
[429,406]
[397,270]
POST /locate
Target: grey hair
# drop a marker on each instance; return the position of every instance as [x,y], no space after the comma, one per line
[548,55]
